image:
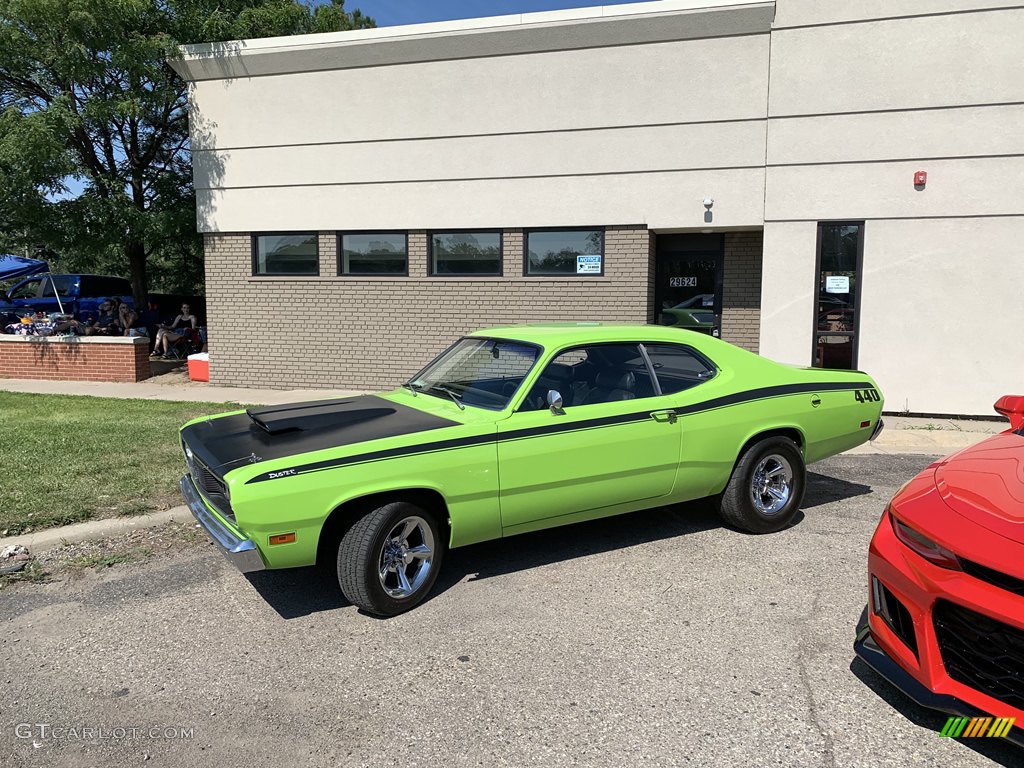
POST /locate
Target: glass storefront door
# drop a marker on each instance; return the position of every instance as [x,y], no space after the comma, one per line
[688,282]
[840,251]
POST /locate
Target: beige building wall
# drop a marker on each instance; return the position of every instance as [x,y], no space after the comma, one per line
[636,116]
[371,333]
[863,94]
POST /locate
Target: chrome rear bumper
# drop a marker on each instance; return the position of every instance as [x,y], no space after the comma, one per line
[241,553]
[878,430]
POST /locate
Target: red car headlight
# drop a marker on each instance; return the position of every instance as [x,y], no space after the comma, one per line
[924,546]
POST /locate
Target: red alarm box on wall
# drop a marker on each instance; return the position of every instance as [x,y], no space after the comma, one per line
[920,178]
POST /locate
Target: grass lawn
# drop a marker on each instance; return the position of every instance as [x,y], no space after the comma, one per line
[66,459]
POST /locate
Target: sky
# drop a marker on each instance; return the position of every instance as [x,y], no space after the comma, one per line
[391,12]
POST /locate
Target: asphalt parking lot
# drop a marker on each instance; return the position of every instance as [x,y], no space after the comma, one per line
[658,638]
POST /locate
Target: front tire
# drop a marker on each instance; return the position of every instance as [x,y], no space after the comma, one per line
[766,487]
[388,561]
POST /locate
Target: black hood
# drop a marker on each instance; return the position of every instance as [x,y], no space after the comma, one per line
[264,434]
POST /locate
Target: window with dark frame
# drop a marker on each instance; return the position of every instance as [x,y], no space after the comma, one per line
[373,253]
[591,375]
[678,368]
[288,253]
[836,312]
[567,252]
[465,253]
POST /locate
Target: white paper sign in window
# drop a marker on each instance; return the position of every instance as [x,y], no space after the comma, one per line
[837,284]
[588,265]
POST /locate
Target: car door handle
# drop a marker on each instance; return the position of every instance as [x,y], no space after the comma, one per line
[668,416]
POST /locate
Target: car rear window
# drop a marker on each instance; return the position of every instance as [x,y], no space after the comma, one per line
[678,368]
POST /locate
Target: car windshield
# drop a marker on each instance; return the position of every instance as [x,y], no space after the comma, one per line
[485,373]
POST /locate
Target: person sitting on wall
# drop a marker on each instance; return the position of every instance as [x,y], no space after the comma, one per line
[166,336]
[128,319]
[107,323]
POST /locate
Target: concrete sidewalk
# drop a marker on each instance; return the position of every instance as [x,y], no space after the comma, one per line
[931,437]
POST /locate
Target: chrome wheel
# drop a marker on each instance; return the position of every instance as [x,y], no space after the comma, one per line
[406,557]
[771,484]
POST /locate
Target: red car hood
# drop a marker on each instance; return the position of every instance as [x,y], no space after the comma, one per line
[985,484]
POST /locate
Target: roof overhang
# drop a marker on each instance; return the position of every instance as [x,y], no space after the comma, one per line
[598,27]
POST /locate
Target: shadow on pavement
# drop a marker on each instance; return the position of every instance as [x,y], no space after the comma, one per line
[1000,752]
[822,489]
[298,592]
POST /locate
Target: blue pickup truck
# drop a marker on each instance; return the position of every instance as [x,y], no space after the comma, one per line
[80,295]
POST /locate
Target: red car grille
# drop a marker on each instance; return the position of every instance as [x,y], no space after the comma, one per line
[980,652]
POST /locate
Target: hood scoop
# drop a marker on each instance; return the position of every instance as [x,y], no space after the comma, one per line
[316,416]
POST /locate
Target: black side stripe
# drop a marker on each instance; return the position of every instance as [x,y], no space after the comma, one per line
[764,393]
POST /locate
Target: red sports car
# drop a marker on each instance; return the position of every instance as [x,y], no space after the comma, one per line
[945,617]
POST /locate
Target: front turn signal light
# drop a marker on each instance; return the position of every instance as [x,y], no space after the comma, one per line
[282,538]
[925,547]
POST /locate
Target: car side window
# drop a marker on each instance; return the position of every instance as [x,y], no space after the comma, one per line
[27,290]
[592,375]
[62,284]
[678,368]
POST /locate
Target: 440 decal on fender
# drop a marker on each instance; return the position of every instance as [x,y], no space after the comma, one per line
[867,396]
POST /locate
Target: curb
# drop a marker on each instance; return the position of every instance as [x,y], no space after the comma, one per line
[919,442]
[51,538]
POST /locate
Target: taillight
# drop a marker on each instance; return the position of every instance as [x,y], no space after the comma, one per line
[924,546]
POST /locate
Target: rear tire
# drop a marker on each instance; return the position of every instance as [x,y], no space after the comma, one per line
[389,559]
[766,487]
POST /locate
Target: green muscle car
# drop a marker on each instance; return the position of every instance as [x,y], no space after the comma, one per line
[511,430]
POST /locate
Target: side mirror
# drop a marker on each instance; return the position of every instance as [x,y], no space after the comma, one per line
[555,401]
[1010,406]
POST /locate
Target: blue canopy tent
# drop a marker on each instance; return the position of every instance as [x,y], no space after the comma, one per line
[18,266]
[13,267]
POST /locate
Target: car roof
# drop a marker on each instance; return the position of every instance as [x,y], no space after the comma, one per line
[556,334]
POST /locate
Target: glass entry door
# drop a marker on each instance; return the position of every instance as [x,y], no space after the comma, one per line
[840,252]
[688,282]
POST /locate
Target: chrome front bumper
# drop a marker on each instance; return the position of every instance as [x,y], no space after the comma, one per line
[241,553]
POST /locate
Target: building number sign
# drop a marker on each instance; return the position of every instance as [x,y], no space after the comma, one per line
[682,282]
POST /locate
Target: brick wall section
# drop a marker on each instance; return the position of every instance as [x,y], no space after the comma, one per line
[652,276]
[74,360]
[368,333]
[741,300]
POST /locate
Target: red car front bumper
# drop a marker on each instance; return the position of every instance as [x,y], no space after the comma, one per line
[951,641]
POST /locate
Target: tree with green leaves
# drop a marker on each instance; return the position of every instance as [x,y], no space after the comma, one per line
[94,151]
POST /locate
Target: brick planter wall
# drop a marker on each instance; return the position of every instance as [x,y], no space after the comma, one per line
[75,358]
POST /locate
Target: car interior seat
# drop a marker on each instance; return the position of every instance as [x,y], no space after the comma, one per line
[556,376]
[612,384]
